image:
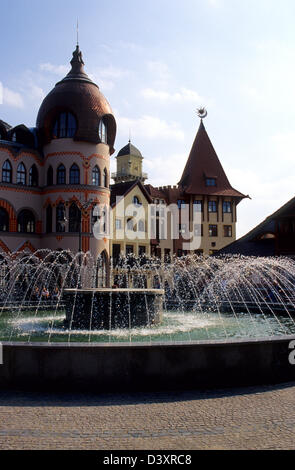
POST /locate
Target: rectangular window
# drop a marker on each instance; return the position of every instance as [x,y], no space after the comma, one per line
[212,206]
[141,250]
[118,224]
[129,249]
[226,207]
[210,181]
[182,228]
[213,231]
[198,206]
[227,231]
[198,230]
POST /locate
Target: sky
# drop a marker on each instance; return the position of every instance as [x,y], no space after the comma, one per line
[158,61]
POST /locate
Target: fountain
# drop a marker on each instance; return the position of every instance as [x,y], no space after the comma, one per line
[195,321]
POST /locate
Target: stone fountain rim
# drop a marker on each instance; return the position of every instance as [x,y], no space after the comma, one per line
[145,344]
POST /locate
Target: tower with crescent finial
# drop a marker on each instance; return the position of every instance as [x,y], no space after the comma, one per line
[205,189]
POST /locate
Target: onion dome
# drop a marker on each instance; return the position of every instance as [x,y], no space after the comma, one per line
[76,108]
[129,149]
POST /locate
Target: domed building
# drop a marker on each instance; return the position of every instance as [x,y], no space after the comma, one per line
[52,176]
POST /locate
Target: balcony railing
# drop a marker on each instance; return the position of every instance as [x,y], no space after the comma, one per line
[125,174]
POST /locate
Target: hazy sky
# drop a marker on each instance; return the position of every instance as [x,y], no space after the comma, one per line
[156,62]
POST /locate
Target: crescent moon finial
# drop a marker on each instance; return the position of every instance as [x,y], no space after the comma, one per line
[202,112]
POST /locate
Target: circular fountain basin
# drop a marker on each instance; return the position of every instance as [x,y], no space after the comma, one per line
[223,323]
[115,367]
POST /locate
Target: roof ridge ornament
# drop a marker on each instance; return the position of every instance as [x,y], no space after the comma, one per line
[77,57]
[202,112]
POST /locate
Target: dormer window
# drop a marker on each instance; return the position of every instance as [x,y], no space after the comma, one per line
[136,201]
[102,132]
[210,181]
[65,126]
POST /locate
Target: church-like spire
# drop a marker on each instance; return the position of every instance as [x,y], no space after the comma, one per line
[77,72]
[203,172]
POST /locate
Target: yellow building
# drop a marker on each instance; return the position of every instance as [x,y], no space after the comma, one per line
[129,204]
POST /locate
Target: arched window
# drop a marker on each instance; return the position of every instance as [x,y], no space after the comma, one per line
[50,176]
[7,172]
[21,176]
[61,175]
[65,126]
[136,201]
[60,218]
[105,178]
[74,218]
[33,176]
[4,220]
[74,174]
[26,222]
[96,176]
[49,219]
[102,132]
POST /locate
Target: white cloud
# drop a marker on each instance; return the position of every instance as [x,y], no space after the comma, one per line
[184,95]
[267,195]
[283,145]
[159,70]
[107,76]
[113,72]
[12,98]
[214,3]
[150,127]
[36,93]
[160,173]
[54,69]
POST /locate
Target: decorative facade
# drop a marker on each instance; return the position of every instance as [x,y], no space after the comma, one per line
[52,176]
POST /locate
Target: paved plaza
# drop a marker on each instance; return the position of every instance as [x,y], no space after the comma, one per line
[248,418]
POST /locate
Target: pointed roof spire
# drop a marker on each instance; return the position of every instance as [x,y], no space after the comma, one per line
[202,165]
[77,72]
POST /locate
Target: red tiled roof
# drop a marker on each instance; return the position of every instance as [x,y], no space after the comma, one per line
[203,163]
[155,192]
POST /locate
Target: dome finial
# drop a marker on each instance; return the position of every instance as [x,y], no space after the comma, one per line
[202,112]
[77,61]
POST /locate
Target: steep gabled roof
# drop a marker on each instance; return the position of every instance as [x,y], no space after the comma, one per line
[203,163]
[121,189]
